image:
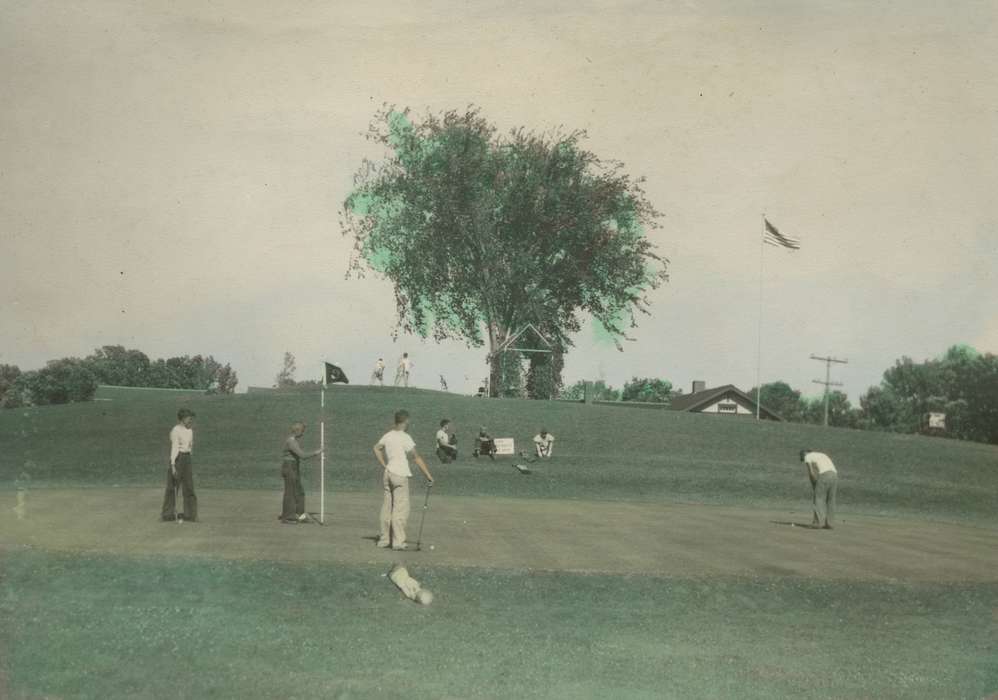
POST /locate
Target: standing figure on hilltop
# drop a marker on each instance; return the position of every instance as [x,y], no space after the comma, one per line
[403,370]
[293,510]
[378,375]
[824,484]
[180,475]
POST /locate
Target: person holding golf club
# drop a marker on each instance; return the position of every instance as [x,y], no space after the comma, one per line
[293,510]
[180,475]
[824,484]
[393,451]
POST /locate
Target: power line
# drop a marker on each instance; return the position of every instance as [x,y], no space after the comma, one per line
[828,377]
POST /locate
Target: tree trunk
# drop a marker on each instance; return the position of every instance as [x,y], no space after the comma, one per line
[495,362]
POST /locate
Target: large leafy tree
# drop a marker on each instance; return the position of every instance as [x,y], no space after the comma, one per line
[647,389]
[482,232]
[9,396]
[782,399]
[962,383]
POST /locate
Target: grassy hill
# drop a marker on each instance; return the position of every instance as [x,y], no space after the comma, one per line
[601,452]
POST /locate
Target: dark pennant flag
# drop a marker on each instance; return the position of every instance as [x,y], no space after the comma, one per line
[334,375]
[774,237]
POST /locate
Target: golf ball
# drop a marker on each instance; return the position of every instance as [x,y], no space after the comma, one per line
[431,546]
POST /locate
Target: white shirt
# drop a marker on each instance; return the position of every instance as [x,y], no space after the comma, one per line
[544,442]
[380,364]
[820,461]
[443,438]
[406,364]
[181,440]
[397,445]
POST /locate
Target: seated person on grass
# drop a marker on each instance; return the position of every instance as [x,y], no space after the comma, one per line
[446,442]
[544,443]
[486,445]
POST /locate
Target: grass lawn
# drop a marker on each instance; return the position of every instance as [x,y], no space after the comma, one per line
[125,625]
[601,452]
[106,627]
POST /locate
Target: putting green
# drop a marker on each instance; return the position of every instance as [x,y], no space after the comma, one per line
[683,541]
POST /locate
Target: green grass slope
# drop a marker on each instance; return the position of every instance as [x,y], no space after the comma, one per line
[103,627]
[601,452]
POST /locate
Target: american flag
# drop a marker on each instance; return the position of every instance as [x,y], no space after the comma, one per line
[772,236]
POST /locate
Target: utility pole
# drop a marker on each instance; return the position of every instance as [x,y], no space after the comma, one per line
[828,378]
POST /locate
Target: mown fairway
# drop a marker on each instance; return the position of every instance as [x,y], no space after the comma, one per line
[652,557]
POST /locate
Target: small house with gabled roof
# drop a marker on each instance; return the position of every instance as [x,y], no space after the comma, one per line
[727,400]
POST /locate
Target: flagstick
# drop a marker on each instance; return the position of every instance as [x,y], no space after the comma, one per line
[322,454]
[758,352]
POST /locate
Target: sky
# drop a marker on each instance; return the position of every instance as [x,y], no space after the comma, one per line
[171,175]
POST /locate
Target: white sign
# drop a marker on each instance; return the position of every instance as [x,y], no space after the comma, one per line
[937,420]
[505,446]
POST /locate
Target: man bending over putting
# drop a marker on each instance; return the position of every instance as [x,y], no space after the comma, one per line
[543,443]
[824,483]
[393,451]
[180,474]
[293,510]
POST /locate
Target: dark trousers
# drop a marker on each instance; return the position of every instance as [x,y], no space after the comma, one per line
[185,479]
[294,492]
[446,453]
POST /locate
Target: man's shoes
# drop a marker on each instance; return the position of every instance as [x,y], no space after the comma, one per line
[289,521]
[383,545]
[400,548]
[303,517]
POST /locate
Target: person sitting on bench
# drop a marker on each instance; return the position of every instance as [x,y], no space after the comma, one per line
[486,445]
[446,442]
[544,443]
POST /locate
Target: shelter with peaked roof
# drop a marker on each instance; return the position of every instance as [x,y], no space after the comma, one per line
[727,400]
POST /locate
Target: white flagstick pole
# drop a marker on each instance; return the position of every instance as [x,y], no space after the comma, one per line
[322,446]
[758,352]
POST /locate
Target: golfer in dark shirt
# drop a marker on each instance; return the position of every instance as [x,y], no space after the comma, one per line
[294,493]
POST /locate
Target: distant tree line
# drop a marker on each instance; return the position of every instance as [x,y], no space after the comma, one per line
[962,384]
[72,379]
[643,389]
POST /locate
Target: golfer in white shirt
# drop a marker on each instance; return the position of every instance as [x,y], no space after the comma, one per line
[393,451]
[824,484]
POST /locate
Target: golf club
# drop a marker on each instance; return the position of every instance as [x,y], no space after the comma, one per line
[426,506]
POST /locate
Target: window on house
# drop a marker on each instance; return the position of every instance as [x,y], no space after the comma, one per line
[727,407]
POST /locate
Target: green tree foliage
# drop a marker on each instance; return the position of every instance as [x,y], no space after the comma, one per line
[600,391]
[10,397]
[963,384]
[647,389]
[117,366]
[841,413]
[481,232]
[544,375]
[286,377]
[61,381]
[783,400]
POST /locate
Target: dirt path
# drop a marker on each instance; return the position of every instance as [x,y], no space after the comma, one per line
[575,536]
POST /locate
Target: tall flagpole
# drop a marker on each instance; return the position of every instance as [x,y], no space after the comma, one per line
[758,352]
[322,447]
